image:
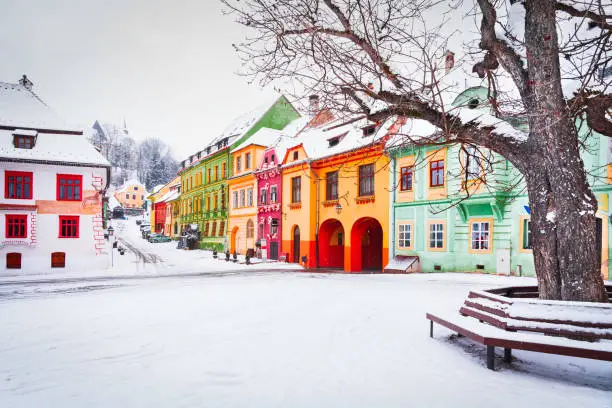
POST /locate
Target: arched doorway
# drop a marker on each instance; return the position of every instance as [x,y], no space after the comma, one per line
[366,245]
[296,244]
[331,244]
[234,240]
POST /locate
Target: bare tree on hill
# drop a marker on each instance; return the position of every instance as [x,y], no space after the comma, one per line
[410,58]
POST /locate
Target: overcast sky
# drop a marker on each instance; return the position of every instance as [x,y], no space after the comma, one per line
[166,66]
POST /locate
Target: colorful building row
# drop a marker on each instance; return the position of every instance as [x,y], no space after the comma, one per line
[347,193]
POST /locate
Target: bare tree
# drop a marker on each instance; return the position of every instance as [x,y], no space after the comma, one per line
[385,58]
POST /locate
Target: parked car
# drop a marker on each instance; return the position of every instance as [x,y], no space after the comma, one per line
[138,222]
[159,238]
[145,233]
[145,226]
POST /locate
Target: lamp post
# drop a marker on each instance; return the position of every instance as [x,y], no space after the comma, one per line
[338,208]
[111,233]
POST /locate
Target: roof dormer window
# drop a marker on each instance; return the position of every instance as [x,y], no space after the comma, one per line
[24,139]
[473,103]
[335,141]
[369,130]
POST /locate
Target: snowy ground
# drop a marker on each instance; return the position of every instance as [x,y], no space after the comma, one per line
[267,340]
[145,259]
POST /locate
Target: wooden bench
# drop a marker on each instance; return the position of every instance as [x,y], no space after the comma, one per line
[578,329]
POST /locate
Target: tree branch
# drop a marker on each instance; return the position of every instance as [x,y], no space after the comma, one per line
[505,54]
[597,20]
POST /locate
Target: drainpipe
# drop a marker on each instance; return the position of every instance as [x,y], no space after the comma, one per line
[392,180]
[317,220]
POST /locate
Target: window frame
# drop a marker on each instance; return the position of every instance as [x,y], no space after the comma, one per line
[250,229]
[410,175]
[273,193]
[27,140]
[296,190]
[22,174]
[439,170]
[247,161]
[331,185]
[489,231]
[10,221]
[430,224]
[402,239]
[69,218]
[525,235]
[367,172]
[263,196]
[72,177]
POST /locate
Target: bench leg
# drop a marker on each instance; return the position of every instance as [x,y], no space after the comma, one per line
[491,358]
[431,328]
[508,355]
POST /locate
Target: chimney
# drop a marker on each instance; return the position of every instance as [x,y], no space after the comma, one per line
[313,102]
[25,82]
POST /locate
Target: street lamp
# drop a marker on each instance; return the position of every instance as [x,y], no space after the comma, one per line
[111,233]
[338,208]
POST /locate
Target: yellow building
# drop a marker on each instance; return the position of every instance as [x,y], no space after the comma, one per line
[242,186]
[131,194]
[336,195]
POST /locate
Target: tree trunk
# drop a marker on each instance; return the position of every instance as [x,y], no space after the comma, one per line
[561,201]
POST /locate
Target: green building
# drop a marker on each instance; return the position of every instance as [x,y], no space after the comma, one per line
[204,195]
[460,209]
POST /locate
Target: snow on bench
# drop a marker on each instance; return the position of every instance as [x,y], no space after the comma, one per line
[495,321]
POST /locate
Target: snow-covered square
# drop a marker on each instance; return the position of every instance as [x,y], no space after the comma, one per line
[292,339]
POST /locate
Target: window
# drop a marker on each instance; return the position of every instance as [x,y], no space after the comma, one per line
[406,178]
[133,196]
[68,226]
[13,260]
[135,188]
[17,184]
[405,235]
[436,173]
[480,236]
[331,184]
[214,229]
[223,170]
[235,199]
[247,161]
[273,196]
[23,142]
[58,259]
[272,159]
[274,226]
[221,228]
[472,166]
[296,189]
[366,180]
[263,193]
[250,229]
[238,164]
[16,226]
[250,197]
[69,187]
[207,203]
[334,141]
[527,234]
[242,198]
[127,196]
[265,160]
[216,173]
[295,155]
[206,228]
[369,130]
[142,197]
[222,200]
[436,235]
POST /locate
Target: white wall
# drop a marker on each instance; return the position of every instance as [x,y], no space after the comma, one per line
[36,258]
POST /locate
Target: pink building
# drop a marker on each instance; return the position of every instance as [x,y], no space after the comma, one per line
[269,208]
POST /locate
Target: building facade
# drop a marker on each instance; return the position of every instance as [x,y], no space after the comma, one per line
[52,185]
[204,175]
[131,194]
[458,209]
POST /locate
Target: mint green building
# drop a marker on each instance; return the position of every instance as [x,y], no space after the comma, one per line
[204,193]
[436,226]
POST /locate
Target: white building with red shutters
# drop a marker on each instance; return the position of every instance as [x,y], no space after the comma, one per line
[52,182]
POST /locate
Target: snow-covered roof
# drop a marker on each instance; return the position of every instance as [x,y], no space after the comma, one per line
[69,148]
[21,107]
[263,137]
[349,135]
[130,182]
[113,202]
[157,188]
[169,196]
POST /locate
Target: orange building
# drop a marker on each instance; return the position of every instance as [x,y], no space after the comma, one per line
[336,195]
[242,187]
[131,194]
